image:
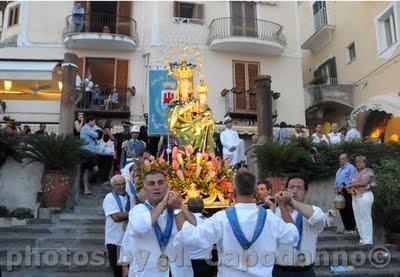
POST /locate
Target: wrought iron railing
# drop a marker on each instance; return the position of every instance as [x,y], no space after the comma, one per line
[121,105]
[246,27]
[101,23]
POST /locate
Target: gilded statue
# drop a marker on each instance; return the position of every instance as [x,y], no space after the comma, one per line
[189,118]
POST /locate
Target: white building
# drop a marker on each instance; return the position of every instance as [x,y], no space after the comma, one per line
[120,42]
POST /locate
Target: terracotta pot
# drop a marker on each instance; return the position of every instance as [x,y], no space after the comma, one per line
[394,238]
[56,185]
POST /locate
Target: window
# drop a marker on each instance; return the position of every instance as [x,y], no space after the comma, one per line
[352,51]
[13,16]
[326,72]
[187,12]
[387,31]
[244,74]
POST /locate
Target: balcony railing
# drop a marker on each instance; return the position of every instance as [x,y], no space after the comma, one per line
[246,27]
[101,23]
[121,105]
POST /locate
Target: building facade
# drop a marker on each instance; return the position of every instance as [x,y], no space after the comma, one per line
[119,42]
[350,61]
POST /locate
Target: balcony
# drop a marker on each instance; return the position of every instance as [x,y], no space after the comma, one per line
[101,32]
[329,95]
[114,110]
[318,32]
[243,105]
[246,35]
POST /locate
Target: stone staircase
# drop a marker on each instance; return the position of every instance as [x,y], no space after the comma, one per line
[341,249]
[71,243]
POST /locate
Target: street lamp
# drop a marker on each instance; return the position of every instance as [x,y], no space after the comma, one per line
[7,85]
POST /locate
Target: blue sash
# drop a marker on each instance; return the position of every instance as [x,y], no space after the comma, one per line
[299,226]
[237,231]
[162,237]
[128,203]
[132,188]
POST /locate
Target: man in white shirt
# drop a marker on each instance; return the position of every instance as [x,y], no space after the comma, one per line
[230,142]
[153,226]
[116,206]
[335,137]
[353,133]
[200,258]
[88,91]
[231,229]
[318,137]
[298,260]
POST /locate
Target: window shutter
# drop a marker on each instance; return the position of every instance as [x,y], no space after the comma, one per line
[176,9]
[124,15]
[200,12]
[332,68]
[121,80]
[253,71]
[240,83]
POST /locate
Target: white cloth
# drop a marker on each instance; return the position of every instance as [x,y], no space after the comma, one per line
[287,255]
[105,148]
[125,171]
[353,133]
[228,139]
[334,138]
[146,249]
[217,229]
[241,156]
[114,231]
[199,253]
[362,205]
[317,140]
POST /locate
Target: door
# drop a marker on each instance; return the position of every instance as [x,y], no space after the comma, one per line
[243,19]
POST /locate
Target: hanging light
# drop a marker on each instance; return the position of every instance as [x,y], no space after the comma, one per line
[60,85]
[7,85]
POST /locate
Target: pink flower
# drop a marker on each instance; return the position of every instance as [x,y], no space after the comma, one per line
[188,150]
[175,152]
[211,174]
[180,175]
[175,165]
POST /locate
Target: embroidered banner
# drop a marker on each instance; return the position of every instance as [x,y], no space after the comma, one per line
[161,91]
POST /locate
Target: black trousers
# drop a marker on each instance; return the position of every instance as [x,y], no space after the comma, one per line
[201,268]
[105,164]
[347,213]
[113,258]
[280,271]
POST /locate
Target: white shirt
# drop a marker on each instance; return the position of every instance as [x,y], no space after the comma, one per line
[114,231]
[228,139]
[125,171]
[352,134]
[335,138]
[146,249]
[89,86]
[317,140]
[217,229]
[287,254]
[199,253]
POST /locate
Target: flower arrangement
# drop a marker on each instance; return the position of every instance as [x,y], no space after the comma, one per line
[195,174]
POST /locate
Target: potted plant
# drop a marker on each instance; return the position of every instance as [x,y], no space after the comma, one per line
[58,154]
[277,160]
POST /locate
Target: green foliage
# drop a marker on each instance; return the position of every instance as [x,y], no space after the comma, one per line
[276,159]
[56,152]
[22,213]
[8,144]
[4,212]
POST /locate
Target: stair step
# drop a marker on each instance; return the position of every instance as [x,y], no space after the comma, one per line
[367,270]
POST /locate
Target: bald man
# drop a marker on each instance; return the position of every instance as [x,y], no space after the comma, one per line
[116,206]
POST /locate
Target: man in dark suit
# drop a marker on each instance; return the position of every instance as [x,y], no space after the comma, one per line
[121,137]
[167,147]
[151,141]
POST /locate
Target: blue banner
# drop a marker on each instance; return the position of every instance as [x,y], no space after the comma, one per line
[161,91]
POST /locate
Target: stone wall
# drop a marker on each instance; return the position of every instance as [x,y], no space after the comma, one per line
[19,183]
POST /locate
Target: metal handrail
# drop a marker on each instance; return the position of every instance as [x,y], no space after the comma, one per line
[246,27]
[101,23]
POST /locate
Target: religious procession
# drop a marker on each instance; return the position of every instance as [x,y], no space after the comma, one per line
[179,139]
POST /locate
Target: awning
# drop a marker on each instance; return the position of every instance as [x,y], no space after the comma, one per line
[22,70]
[389,103]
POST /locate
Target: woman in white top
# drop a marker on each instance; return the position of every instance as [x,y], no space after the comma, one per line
[318,137]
